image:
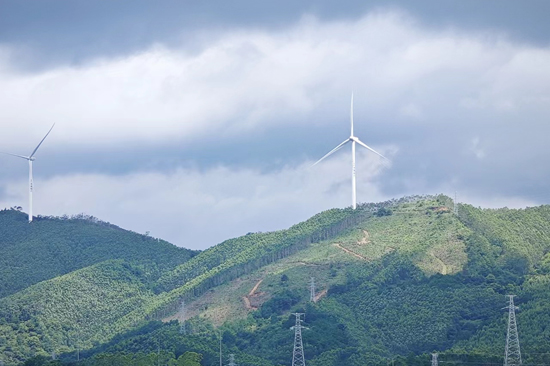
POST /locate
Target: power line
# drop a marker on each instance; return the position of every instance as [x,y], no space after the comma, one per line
[78,347]
[487,363]
[221,360]
[312,290]
[298,352]
[455,206]
[158,355]
[182,321]
[512,355]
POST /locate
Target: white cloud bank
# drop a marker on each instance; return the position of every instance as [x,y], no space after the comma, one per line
[247,79]
[198,209]
[430,85]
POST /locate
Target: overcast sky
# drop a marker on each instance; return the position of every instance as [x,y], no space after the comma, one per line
[199,121]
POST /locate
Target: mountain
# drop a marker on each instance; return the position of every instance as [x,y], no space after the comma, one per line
[54,246]
[395,280]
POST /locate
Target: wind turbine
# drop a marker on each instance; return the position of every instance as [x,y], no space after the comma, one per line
[353,139]
[30,159]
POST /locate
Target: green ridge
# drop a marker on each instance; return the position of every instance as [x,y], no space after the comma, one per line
[396,280]
[52,246]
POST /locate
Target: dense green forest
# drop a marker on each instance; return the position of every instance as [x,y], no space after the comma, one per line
[152,289]
[395,281]
[53,246]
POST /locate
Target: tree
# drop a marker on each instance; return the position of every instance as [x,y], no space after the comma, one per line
[189,359]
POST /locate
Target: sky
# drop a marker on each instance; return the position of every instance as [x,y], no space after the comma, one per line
[199,121]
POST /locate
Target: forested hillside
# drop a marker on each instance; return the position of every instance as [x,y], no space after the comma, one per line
[78,309]
[162,286]
[53,246]
[393,281]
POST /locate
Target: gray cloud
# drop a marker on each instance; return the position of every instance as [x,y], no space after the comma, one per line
[197,209]
[48,33]
[249,110]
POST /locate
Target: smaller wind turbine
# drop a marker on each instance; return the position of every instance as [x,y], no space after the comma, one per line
[30,159]
[353,139]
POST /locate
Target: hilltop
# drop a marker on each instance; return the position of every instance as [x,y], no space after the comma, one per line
[398,279]
[54,246]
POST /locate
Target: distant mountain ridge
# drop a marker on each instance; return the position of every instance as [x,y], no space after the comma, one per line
[395,279]
[53,246]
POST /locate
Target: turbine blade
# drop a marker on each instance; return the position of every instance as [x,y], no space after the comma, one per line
[331,152]
[351,114]
[34,152]
[370,148]
[19,156]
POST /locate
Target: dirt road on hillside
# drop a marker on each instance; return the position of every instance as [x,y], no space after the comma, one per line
[320,295]
[246,299]
[338,245]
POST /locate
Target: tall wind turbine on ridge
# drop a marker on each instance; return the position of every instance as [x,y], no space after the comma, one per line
[353,139]
[30,159]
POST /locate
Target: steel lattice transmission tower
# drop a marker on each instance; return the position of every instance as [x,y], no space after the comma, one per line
[182,322]
[455,206]
[221,362]
[512,354]
[312,290]
[232,360]
[435,362]
[298,358]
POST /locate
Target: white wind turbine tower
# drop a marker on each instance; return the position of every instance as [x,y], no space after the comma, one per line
[30,159]
[353,139]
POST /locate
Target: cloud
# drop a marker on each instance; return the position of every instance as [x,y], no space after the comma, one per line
[226,129]
[197,209]
[245,80]
[476,149]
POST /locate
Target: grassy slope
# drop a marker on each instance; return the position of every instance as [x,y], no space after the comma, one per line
[414,229]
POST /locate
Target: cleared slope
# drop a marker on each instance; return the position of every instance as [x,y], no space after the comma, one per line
[371,271]
[72,311]
[418,280]
[424,231]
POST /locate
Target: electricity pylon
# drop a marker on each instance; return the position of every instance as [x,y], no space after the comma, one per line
[434,360]
[182,322]
[298,352]
[221,362]
[231,360]
[512,354]
[455,206]
[312,290]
